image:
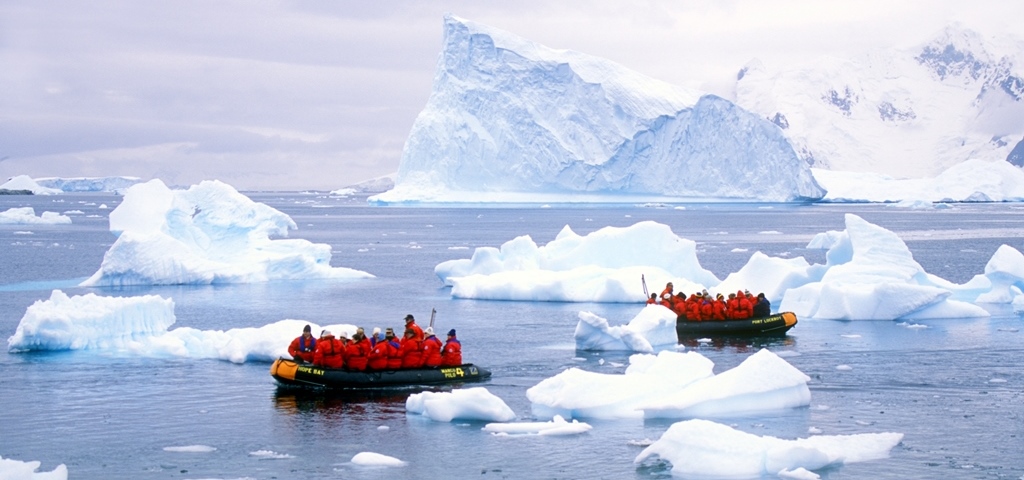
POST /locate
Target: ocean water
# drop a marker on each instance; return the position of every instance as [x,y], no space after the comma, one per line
[954,388]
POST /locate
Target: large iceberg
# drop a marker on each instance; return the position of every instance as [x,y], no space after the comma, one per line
[606,265]
[207,234]
[88,184]
[512,120]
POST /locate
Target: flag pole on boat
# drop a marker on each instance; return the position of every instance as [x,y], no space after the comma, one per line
[644,282]
[433,313]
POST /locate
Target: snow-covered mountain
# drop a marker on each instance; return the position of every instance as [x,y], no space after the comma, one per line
[906,113]
[510,119]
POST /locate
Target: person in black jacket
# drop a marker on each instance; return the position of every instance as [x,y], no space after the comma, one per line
[763,307]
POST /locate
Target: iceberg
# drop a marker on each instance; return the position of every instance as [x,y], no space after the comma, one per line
[762,383]
[578,393]
[706,449]
[24,182]
[871,274]
[139,326]
[673,385]
[606,265]
[460,404]
[88,184]
[17,470]
[512,120]
[654,326]
[208,234]
[27,216]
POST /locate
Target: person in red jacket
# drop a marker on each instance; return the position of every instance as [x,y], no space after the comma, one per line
[693,308]
[706,308]
[410,322]
[330,352]
[679,304]
[732,307]
[431,349]
[669,289]
[411,350]
[746,309]
[718,308]
[302,348]
[356,353]
[650,301]
[378,356]
[394,348]
[451,355]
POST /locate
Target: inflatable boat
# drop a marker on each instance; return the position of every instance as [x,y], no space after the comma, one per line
[777,324]
[290,373]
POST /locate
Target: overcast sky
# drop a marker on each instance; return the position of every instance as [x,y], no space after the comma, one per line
[288,95]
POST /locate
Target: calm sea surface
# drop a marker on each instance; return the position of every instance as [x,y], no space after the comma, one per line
[955,389]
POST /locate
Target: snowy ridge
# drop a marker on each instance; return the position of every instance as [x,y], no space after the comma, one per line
[508,116]
[907,114]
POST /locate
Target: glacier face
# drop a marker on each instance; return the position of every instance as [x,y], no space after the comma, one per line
[909,113]
[88,184]
[511,116]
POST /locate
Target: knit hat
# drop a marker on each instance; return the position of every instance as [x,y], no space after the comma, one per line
[429,331]
[327,333]
[376,330]
[409,318]
[307,329]
[451,333]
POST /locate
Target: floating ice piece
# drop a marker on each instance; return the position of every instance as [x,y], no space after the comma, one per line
[27,216]
[576,393]
[708,449]
[557,426]
[461,404]
[761,383]
[18,470]
[655,325]
[370,459]
[191,449]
